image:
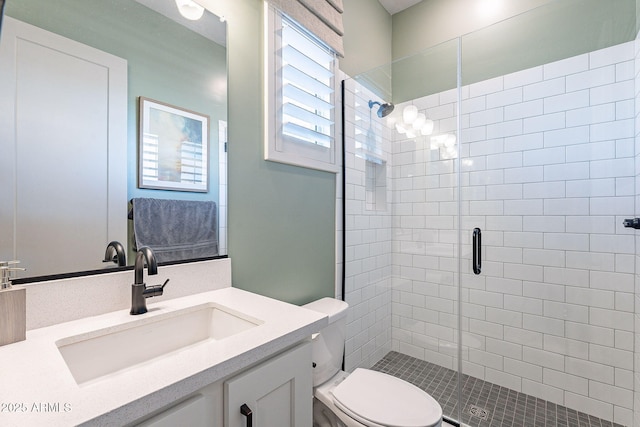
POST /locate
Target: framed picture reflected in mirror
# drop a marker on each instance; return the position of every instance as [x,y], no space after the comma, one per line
[173,146]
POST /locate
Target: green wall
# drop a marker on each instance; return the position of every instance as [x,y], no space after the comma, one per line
[281,217]
[511,41]
[433,22]
[367,36]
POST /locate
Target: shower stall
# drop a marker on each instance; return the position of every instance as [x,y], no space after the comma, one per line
[485,255]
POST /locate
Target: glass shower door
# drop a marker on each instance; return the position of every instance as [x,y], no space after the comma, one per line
[401,211]
[486,261]
[547,177]
[426,211]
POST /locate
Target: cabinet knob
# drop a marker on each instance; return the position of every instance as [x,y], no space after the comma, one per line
[246,411]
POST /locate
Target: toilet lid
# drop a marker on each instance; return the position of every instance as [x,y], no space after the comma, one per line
[375,398]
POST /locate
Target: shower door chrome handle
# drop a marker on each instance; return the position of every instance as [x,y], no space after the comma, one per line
[477,250]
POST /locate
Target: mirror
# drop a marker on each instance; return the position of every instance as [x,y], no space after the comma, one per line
[59,219]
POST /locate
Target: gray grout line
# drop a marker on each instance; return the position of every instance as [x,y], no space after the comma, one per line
[506,407]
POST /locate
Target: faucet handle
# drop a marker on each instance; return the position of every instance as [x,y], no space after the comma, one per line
[154,291]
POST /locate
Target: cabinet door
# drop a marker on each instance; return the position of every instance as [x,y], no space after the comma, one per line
[279,392]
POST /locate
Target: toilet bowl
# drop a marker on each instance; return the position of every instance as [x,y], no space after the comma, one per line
[364,397]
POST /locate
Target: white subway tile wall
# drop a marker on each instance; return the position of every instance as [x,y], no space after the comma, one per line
[548,172]
[368,226]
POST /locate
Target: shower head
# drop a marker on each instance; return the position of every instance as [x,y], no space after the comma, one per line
[384,110]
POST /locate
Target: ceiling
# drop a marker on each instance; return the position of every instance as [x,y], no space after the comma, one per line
[395,6]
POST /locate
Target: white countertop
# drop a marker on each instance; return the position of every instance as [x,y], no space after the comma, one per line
[37,388]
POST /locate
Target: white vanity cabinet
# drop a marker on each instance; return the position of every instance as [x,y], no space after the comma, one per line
[268,366]
[278,392]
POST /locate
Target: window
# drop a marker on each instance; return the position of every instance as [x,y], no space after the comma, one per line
[300,98]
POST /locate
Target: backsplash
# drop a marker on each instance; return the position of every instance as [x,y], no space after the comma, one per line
[57,301]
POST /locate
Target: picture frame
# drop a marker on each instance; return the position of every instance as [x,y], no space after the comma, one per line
[173,147]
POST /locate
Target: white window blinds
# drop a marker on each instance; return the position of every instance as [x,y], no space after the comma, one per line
[300,96]
[307,87]
[323,18]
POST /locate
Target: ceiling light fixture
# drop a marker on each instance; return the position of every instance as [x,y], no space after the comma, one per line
[189,9]
[489,8]
[411,122]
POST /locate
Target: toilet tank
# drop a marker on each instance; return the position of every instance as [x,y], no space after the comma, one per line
[328,344]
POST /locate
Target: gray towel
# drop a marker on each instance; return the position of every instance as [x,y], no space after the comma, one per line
[175,229]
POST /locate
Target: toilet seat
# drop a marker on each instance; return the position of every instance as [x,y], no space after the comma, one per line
[376,399]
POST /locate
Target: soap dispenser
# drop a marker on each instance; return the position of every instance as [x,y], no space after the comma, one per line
[13,306]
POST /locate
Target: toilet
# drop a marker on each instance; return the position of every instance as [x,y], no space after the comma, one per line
[364,397]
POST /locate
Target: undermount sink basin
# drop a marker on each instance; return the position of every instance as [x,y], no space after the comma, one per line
[94,354]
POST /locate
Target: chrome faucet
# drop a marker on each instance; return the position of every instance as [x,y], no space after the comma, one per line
[6,268]
[115,253]
[139,290]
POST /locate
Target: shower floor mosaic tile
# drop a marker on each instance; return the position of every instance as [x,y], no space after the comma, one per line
[490,404]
